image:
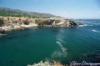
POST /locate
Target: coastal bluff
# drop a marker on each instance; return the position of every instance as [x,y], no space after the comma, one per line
[9,23]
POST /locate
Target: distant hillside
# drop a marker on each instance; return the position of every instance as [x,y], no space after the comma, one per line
[19,13]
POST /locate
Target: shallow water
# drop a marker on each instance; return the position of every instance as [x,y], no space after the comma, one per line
[61,44]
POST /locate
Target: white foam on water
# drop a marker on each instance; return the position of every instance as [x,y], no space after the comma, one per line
[62,52]
[63,49]
[93,30]
[60,40]
[57,54]
[84,25]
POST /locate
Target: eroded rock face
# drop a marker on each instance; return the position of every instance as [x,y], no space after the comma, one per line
[1,22]
[66,23]
[8,21]
[56,23]
[15,23]
[44,22]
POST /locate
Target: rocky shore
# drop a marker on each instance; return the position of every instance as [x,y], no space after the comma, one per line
[20,23]
[47,63]
[73,63]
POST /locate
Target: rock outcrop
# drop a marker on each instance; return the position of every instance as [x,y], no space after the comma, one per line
[47,63]
[56,23]
[17,23]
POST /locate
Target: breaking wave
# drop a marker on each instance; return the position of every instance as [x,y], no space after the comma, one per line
[85,25]
[93,30]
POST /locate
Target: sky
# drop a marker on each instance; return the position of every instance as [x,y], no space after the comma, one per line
[64,8]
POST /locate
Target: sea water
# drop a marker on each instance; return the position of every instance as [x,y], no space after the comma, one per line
[61,44]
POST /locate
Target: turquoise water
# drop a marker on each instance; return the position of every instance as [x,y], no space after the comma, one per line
[33,45]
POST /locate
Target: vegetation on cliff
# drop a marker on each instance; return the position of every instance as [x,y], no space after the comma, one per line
[22,13]
[13,19]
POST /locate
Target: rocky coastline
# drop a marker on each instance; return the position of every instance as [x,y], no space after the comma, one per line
[47,63]
[73,63]
[19,23]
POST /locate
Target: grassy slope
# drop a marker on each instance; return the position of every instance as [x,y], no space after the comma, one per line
[19,13]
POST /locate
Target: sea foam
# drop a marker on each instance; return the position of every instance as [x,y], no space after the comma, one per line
[93,30]
[85,25]
[62,52]
[63,49]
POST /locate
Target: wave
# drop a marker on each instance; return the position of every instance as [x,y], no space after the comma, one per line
[62,52]
[93,30]
[61,46]
[59,53]
[60,41]
[85,25]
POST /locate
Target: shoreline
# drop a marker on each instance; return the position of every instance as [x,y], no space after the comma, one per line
[73,63]
[8,23]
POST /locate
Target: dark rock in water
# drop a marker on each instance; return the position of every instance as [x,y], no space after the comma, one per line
[2,31]
[79,23]
[1,35]
[73,24]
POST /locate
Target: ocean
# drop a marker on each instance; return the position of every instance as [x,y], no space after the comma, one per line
[65,45]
